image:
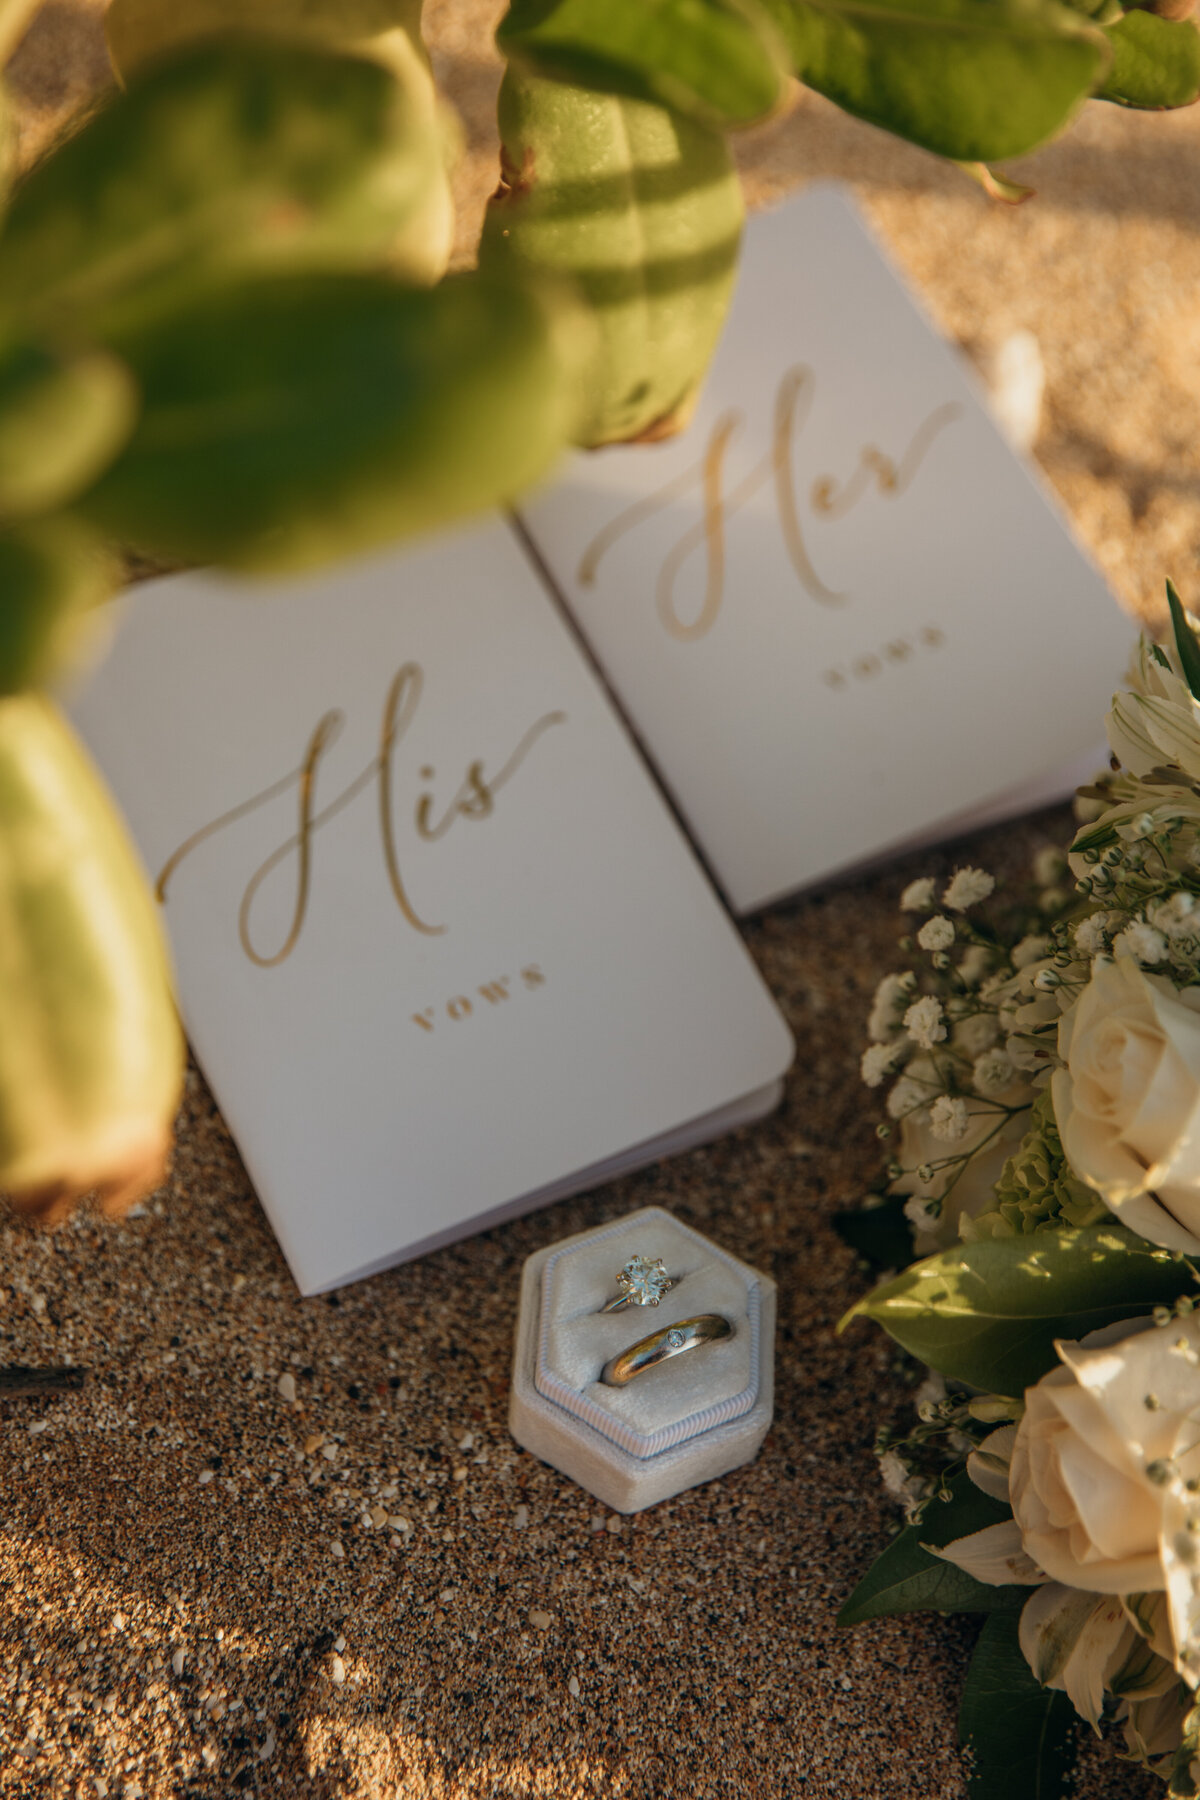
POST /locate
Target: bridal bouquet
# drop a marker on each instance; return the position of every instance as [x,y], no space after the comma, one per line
[1040,1065]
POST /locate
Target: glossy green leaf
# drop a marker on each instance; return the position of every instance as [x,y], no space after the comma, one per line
[1156,62]
[975,80]
[286,422]
[907,1578]
[642,210]
[988,1313]
[232,159]
[1186,642]
[1020,1735]
[62,419]
[53,575]
[387,31]
[723,62]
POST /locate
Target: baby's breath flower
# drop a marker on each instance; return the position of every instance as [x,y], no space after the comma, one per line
[881,1060]
[1049,866]
[949,1119]
[924,1022]
[976,1034]
[902,1484]
[967,888]
[936,933]
[1091,933]
[992,1074]
[1029,950]
[918,895]
[906,1098]
[890,997]
[1176,916]
[974,965]
[1143,941]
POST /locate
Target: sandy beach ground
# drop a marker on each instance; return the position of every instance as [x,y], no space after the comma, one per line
[284,1546]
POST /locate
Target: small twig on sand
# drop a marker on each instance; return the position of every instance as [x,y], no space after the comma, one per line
[22,1384]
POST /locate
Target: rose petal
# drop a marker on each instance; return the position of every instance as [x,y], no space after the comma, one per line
[995,1555]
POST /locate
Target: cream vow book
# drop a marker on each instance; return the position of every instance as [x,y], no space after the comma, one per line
[441,949]
[839,610]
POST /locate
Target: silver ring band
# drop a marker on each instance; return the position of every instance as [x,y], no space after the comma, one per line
[643,1282]
[662,1345]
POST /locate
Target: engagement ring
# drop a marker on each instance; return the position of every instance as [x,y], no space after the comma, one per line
[643,1282]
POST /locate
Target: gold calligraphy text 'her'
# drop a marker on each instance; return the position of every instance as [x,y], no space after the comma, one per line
[474,799]
[827,497]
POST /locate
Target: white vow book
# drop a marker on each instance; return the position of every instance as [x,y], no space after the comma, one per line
[839,610]
[441,948]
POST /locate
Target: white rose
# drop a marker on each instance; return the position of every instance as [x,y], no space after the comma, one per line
[1097,1475]
[1128,1100]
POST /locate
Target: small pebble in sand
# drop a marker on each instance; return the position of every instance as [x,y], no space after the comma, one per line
[206,1476]
[287,1388]
[541,1621]
[177,1661]
[615,1523]
[467,1441]
[313,1444]
[573,1687]
[337,1670]
[521,1518]
[339,1644]
[337,1548]
[398,1522]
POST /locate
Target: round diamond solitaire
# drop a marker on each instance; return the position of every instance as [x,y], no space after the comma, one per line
[644,1280]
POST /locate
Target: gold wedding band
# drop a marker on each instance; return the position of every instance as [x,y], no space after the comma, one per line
[660,1346]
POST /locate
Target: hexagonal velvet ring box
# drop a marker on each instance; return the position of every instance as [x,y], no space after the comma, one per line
[702,1402]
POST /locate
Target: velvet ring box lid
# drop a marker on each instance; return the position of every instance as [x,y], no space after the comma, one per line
[686,1421]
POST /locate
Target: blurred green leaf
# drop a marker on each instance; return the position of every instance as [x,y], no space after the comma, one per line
[286,422]
[988,1313]
[723,62]
[387,31]
[61,420]
[1187,646]
[642,209]
[975,80]
[907,1578]
[1019,1733]
[53,574]
[140,30]
[1156,62]
[233,159]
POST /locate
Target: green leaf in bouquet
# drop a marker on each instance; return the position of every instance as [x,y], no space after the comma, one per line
[976,80]
[879,1231]
[290,421]
[388,31]
[907,1578]
[1019,1733]
[1186,642]
[62,419]
[723,62]
[53,574]
[988,1313]
[641,209]
[232,159]
[1156,62]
